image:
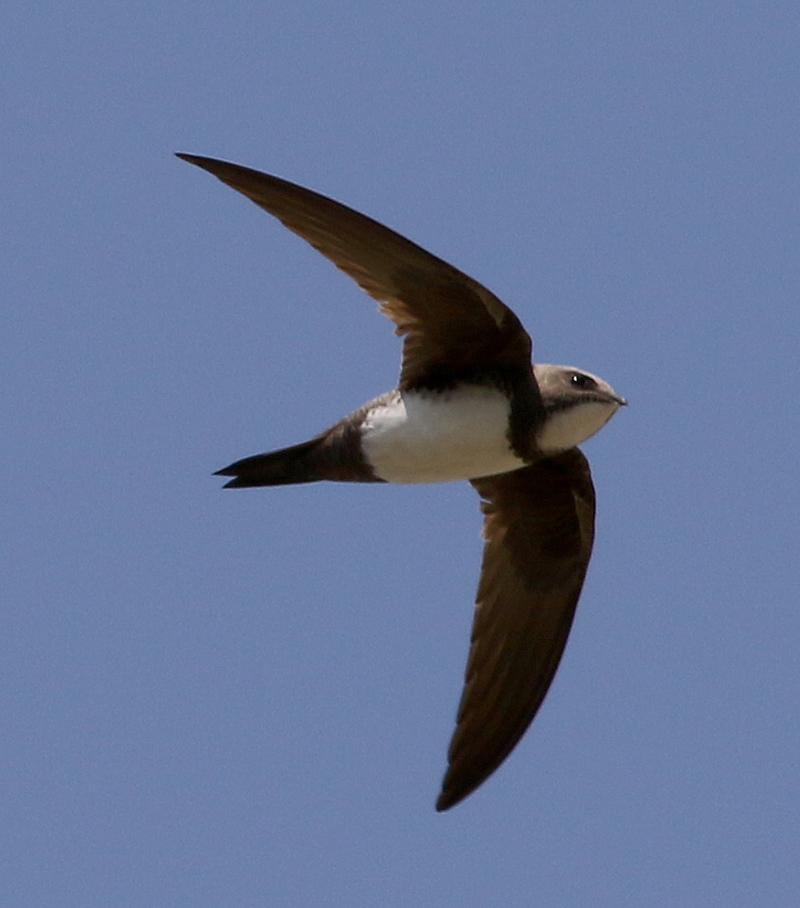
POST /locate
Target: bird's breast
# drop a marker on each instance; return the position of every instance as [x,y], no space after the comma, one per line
[437,436]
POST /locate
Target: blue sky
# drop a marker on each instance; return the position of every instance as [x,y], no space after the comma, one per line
[245,698]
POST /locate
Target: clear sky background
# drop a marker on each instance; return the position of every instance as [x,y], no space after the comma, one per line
[244,698]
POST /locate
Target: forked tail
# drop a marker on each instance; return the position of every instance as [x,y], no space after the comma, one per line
[334,454]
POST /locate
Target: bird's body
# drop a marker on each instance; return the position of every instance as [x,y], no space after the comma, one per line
[469,405]
[437,436]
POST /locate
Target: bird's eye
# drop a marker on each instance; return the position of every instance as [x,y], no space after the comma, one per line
[584,382]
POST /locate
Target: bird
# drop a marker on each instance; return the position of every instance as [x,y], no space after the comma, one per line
[469,405]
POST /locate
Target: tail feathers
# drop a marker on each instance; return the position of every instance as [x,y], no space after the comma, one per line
[277,468]
[334,454]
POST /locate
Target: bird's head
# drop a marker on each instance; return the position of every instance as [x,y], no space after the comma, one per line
[577,404]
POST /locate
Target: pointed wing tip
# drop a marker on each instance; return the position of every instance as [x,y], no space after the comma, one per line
[451,795]
[222,170]
[208,164]
[445,801]
[455,790]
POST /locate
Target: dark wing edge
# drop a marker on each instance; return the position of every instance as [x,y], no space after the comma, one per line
[444,314]
[538,531]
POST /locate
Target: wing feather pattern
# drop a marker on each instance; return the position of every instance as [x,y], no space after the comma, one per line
[538,531]
[453,326]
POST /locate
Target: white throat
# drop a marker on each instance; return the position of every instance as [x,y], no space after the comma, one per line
[565,429]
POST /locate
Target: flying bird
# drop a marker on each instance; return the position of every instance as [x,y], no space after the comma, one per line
[469,404]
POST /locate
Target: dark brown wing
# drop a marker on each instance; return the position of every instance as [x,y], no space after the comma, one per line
[452,325]
[538,530]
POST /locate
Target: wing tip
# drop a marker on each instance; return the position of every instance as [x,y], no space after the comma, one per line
[185,156]
[445,801]
[212,165]
[455,790]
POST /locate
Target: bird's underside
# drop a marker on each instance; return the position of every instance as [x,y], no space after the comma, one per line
[538,508]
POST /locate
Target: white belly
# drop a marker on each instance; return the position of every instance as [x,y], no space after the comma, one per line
[439,436]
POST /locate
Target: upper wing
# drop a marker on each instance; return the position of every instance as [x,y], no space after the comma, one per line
[538,530]
[451,323]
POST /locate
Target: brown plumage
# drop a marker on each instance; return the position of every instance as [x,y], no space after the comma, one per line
[538,520]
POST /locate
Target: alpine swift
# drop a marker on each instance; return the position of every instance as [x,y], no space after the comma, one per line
[469,404]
